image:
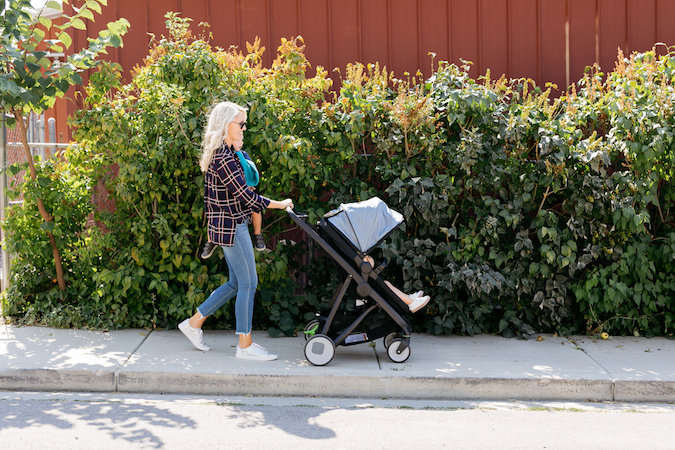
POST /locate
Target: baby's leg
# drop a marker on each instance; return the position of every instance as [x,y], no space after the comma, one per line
[258,241]
[256,219]
[402,295]
[415,303]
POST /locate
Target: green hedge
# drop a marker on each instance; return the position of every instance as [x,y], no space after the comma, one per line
[523,213]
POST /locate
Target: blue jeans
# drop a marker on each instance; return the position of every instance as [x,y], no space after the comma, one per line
[242,283]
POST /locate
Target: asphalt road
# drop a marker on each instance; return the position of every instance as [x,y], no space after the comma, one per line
[86,421]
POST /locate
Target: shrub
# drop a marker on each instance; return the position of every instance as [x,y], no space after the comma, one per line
[33,291]
[522,213]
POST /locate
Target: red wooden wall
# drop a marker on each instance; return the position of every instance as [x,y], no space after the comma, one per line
[546,40]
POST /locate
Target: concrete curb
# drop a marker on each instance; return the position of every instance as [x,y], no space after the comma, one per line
[57,380]
[644,391]
[373,387]
[336,386]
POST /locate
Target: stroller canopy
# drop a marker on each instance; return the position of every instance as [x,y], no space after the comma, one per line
[365,223]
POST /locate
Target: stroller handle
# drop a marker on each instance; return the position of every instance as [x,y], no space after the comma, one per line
[294,214]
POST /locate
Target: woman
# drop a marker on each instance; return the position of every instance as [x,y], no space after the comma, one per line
[252,180]
[229,203]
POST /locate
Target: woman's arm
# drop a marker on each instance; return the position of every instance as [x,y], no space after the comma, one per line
[283,204]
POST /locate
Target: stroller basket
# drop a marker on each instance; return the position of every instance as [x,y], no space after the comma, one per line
[347,235]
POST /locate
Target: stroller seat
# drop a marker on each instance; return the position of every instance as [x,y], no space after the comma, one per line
[347,235]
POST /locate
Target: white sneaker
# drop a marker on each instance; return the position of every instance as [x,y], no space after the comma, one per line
[416,295]
[196,335]
[418,303]
[255,352]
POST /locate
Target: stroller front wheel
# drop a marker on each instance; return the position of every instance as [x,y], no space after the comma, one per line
[319,350]
[396,355]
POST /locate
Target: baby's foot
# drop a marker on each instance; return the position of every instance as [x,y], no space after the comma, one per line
[209,248]
[259,242]
[418,303]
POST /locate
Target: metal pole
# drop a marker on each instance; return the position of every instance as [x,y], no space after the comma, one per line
[4,259]
[40,135]
[52,133]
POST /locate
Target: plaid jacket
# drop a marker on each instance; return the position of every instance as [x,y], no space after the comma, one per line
[228,201]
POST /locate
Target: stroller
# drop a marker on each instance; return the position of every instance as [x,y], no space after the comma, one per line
[347,234]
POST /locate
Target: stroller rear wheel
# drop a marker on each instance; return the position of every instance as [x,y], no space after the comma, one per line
[319,350]
[312,328]
[388,339]
[397,351]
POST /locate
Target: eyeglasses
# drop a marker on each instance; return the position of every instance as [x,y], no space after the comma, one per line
[242,125]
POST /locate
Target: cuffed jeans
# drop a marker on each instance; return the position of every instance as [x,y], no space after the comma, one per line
[242,283]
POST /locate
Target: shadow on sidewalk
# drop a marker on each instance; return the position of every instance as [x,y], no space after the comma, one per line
[299,423]
[141,424]
[130,422]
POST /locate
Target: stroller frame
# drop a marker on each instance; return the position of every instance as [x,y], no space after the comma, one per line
[320,347]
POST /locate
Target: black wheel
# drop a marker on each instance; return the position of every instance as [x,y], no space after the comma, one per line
[312,328]
[388,338]
[319,349]
[396,355]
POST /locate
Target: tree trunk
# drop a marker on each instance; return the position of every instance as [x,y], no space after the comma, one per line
[41,206]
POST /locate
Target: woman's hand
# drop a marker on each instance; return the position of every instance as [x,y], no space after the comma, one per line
[283,204]
[288,203]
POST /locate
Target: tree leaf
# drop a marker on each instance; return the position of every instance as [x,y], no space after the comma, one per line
[38,34]
[93,5]
[78,23]
[66,39]
[46,22]
[48,226]
[87,14]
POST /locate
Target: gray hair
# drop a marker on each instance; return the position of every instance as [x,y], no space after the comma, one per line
[220,116]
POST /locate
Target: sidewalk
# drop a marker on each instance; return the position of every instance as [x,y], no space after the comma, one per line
[440,367]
